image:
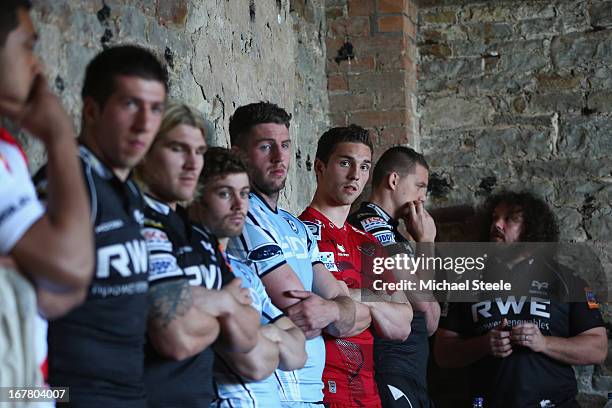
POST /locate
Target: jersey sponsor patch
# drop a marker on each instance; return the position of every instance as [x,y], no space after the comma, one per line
[108,226]
[385,237]
[157,240]
[264,252]
[315,229]
[163,266]
[371,223]
[591,299]
[331,387]
[328,260]
[292,225]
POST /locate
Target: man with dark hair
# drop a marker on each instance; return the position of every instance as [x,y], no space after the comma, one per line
[399,189]
[194,299]
[342,166]
[521,352]
[245,379]
[98,349]
[284,254]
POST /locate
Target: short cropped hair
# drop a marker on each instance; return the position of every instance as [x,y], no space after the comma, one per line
[334,136]
[539,222]
[219,162]
[247,116]
[399,159]
[176,114]
[8,16]
[127,60]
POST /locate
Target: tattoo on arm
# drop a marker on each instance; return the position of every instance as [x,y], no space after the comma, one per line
[169,300]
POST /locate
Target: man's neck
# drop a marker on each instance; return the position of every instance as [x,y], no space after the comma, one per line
[88,141]
[270,199]
[337,214]
[384,201]
[171,204]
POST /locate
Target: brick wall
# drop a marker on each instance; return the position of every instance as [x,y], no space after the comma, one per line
[371,68]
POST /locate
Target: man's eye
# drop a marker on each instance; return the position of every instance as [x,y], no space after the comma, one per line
[265,147]
[223,194]
[157,109]
[345,163]
[285,145]
[365,167]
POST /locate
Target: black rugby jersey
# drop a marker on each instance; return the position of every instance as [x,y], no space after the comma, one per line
[526,378]
[408,358]
[97,348]
[179,249]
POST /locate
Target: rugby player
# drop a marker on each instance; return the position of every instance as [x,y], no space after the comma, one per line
[399,188]
[521,353]
[41,243]
[194,299]
[98,349]
[245,379]
[283,252]
[342,167]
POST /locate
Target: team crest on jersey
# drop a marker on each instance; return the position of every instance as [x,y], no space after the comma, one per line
[315,228]
[292,225]
[264,252]
[328,260]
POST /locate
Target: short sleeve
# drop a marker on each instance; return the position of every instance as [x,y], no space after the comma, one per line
[258,248]
[452,317]
[583,315]
[163,264]
[19,206]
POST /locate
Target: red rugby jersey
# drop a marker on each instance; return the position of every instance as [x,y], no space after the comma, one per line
[348,377]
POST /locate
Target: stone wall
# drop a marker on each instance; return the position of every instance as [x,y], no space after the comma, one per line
[220,54]
[518,95]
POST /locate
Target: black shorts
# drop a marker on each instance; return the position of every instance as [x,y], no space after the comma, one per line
[400,391]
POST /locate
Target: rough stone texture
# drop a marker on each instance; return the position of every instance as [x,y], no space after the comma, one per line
[220,54]
[517,94]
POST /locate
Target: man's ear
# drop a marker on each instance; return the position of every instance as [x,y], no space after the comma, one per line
[319,167]
[392,180]
[91,110]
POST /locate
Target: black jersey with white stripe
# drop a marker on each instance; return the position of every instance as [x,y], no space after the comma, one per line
[97,349]
[408,358]
[179,249]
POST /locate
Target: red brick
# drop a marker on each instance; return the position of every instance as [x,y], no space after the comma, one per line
[337,119]
[337,83]
[377,44]
[393,6]
[381,118]
[393,99]
[333,45]
[391,24]
[349,27]
[350,103]
[393,136]
[365,64]
[376,80]
[360,7]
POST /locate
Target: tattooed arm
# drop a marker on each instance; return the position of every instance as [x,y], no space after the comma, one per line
[177,329]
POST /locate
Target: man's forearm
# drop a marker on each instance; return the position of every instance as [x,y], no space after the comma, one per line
[258,363]
[432,314]
[577,350]
[291,349]
[239,330]
[346,317]
[391,320]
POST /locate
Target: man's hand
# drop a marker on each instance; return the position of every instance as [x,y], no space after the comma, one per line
[242,295]
[498,341]
[313,313]
[43,114]
[528,335]
[419,224]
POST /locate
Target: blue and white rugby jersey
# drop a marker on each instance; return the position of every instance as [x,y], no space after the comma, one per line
[271,239]
[233,390]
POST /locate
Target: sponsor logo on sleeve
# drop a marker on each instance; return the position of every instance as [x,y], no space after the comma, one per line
[328,260]
[373,223]
[264,252]
[292,225]
[157,240]
[163,266]
[385,237]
